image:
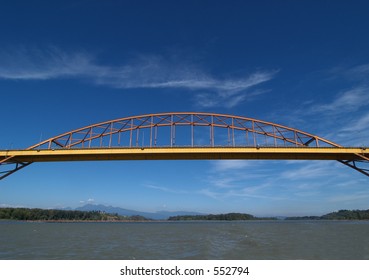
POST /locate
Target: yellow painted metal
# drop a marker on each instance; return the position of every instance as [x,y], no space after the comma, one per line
[186,153]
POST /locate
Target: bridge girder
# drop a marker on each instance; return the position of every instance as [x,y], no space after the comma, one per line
[188,153]
[185,130]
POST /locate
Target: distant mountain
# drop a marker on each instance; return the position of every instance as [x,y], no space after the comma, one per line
[161,215]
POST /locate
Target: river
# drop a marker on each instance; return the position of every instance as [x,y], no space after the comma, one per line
[265,240]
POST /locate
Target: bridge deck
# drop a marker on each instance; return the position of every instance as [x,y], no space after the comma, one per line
[190,153]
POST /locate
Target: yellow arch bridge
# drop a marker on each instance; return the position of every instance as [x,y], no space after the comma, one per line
[184,135]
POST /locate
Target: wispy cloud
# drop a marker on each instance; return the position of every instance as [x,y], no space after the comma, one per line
[164,189]
[347,101]
[355,135]
[352,197]
[248,192]
[90,200]
[361,124]
[51,63]
[238,179]
[141,72]
[234,92]
[341,116]
[309,170]
[359,72]
[228,165]
[338,102]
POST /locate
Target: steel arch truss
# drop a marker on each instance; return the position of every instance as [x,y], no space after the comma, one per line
[185,129]
[161,130]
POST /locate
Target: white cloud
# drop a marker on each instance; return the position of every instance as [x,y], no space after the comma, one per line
[238,178]
[164,189]
[228,165]
[90,200]
[142,72]
[344,119]
[347,101]
[338,113]
[247,192]
[212,194]
[230,93]
[361,124]
[353,197]
[33,64]
[360,72]
[308,171]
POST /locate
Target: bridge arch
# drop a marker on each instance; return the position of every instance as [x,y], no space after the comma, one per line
[183,129]
[131,132]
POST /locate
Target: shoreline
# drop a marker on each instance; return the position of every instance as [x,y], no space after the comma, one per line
[178,221]
[80,221]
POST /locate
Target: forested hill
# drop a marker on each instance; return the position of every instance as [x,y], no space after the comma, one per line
[36,214]
[27,214]
[219,217]
[339,215]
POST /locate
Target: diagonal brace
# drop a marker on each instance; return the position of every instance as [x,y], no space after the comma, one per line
[16,165]
[358,164]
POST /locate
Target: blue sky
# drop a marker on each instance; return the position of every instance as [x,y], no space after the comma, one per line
[68,64]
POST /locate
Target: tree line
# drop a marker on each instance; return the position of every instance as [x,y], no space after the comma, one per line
[339,215]
[218,217]
[37,214]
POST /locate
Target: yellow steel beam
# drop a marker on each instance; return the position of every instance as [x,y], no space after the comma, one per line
[191,153]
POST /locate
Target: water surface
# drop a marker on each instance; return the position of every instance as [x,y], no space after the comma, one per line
[186,240]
